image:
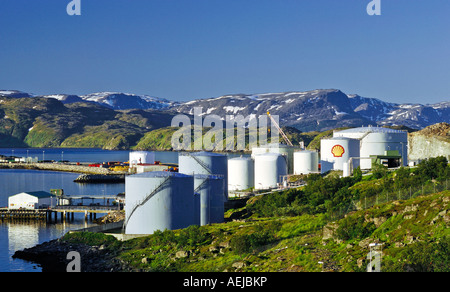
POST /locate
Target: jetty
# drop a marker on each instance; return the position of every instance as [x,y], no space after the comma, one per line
[66,211]
[65,167]
[23,214]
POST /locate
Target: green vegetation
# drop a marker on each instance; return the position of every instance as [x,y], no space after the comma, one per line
[42,122]
[89,238]
[324,222]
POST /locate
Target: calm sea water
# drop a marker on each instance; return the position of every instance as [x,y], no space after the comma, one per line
[17,236]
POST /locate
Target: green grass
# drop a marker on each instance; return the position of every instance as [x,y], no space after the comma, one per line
[293,243]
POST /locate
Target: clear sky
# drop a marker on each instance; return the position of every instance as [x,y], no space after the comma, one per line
[189,49]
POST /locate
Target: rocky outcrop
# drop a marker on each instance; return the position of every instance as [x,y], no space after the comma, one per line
[98,178]
[111,217]
[433,141]
[58,167]
[52,256]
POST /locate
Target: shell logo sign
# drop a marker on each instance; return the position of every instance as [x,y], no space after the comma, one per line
[337,151]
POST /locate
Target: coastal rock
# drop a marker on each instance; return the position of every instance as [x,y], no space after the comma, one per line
[329,231]
[98,178]
[111,217]
[52,256]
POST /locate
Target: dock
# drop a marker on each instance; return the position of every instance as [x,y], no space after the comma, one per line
[66,211]
[11,214]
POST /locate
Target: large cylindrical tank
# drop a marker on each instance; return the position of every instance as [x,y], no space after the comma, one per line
[158,200]
[204,163]
[141,157]
[376,141]
[337,150]
[209,188]
[269,169]
[241,173]
[306,162]
[286,150]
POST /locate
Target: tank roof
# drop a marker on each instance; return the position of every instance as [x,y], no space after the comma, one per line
[268,154]
[241,158]
[201,153]
[274,145]
[339,138]
[371,129]
[160,174]
[306,151]
[208,176]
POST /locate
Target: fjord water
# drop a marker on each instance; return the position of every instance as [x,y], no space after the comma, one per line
[19,235]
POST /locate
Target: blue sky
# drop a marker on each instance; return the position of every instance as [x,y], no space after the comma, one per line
[189,49]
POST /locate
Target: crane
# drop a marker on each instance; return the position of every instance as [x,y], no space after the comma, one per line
[279,130]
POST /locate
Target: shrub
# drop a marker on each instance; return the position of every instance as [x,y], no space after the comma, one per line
[422,257]
[192,236]
[89,238]
[246,243]
[354,227]
[434,168]
[270,204]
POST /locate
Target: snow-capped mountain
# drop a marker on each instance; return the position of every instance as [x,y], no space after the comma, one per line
[321,109]
[113,100]
[15,93]
[416,116]
[121,101]
[311,110]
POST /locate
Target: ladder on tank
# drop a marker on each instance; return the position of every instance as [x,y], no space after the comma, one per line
[159,188]
[202,164]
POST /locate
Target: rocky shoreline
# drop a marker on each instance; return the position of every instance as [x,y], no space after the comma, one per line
[58,167]
[100,178]
[52,257]
[88,174]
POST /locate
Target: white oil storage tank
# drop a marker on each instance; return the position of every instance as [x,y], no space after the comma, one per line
[241,173]
[211,205]
[376,141]
[306,162]
[204,163]
[158,200]
[269,169]
[283,149]
[141,157]
[337,150]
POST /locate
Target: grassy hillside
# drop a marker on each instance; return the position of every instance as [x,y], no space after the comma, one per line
[300,230]
[42,122]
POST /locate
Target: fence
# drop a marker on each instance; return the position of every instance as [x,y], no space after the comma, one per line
[402,194]
[385,196]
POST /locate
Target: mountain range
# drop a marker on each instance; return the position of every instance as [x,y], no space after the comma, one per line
[315,110]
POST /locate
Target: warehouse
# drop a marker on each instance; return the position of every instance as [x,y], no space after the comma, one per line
[32,200]
[375,141]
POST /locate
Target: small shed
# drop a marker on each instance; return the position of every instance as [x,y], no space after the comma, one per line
[32,200]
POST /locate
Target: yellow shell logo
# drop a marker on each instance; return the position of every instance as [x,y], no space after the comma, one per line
[337,151]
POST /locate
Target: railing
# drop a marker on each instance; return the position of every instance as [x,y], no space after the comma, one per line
[385,196]
[82,208]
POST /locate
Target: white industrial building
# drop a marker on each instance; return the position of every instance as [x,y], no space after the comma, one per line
[270,168]
[32,200]
[205,163]
[241,173]
[376,141]
[306,162]
[361,146]
[286,150]
[141,157]
[337,151]
[159,200]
